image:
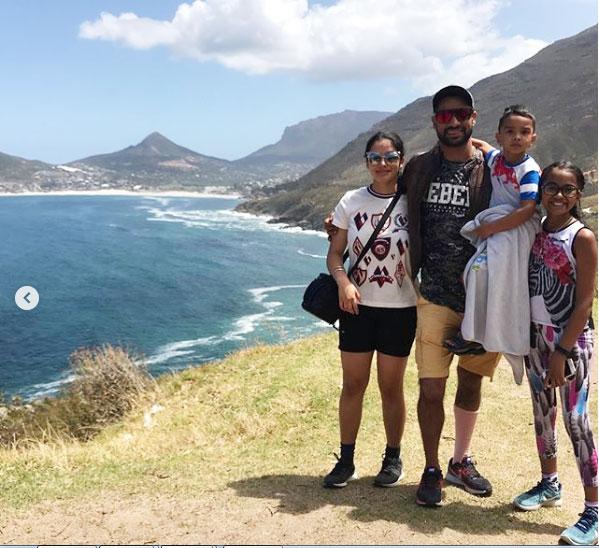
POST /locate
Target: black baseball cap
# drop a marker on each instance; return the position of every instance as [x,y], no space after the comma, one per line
[453,91]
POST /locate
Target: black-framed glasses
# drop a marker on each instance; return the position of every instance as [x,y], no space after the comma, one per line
[567,191]
[389,157]
[445,115]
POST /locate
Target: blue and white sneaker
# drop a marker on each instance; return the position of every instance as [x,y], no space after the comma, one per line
[584,531]
[545,493]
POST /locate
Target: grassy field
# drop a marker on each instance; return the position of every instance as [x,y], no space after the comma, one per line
[233,453]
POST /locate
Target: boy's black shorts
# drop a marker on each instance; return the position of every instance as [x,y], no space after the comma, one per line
[387,330]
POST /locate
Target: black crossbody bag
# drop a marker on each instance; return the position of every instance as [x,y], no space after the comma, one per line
[321,297]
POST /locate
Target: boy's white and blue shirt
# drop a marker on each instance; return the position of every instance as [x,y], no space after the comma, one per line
[512,183]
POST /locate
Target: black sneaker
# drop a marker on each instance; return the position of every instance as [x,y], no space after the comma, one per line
[460,346]
[466,475]
[429,491]
[340,474]
[391,472]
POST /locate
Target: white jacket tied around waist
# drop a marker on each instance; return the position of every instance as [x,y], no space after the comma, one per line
[497,312]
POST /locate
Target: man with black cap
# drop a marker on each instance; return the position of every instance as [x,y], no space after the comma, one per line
[447,186]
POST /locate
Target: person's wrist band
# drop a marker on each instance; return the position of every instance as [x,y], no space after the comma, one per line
[338,269]
[562,350]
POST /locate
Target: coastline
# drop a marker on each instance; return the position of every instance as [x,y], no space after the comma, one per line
[258,315]
[169,194]
[117,192]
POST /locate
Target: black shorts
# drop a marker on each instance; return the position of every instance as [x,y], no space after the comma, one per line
[387,330]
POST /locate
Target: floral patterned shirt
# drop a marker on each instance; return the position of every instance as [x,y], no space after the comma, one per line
[552,276]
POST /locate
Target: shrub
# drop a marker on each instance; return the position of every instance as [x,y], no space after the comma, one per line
[107,383]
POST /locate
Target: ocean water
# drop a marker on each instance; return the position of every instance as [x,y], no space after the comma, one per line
[178,280]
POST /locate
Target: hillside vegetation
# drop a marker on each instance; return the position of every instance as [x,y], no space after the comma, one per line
[565,108]
[233,453]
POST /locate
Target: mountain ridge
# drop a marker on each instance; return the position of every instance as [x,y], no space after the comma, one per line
[298,139]
[157,163]
[566,121]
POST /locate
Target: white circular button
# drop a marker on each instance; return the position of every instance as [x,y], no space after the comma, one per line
[27,297]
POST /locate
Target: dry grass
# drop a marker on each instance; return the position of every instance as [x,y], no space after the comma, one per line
[107,384]
[230,449]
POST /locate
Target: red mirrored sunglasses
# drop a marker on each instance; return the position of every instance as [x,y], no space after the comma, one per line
[461,114]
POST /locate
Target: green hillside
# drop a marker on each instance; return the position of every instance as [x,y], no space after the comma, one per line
[14,168]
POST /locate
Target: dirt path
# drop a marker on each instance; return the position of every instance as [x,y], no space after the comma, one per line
[293,508]
[296,511]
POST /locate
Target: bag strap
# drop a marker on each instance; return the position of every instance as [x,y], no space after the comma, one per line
[375,233]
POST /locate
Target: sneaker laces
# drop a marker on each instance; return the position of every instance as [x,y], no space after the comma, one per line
[468,463]
[541,485]
[388,462]
[340,464]
[587,519]
[431,478]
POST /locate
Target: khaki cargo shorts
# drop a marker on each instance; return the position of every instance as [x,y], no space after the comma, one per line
[435,324]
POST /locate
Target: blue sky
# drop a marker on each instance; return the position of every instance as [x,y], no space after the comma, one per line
[224,77]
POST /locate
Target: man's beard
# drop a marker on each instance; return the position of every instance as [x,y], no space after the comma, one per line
[454,141]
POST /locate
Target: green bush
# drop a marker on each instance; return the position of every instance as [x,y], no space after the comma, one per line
[107,382]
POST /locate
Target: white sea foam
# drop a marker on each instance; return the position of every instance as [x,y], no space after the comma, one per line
[221,218]
[180,348]
[240,328]
[166,354]
[42,390]
[160,199]
[314,256]
[245,325]
[280,319]
[260,293]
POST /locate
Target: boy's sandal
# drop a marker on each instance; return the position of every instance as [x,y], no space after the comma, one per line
[459,346]
[472,348]
[455,342]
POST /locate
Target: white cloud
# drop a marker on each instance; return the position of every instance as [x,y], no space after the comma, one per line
[499,56]
[425,41]
[137,32]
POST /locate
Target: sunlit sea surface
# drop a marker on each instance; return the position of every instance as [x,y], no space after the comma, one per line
[181,281]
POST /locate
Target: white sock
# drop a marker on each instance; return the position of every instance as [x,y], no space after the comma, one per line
[551,477]
[591,503]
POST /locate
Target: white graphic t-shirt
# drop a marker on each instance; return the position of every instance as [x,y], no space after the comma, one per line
[383,276]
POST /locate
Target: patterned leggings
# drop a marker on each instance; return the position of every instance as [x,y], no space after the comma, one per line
[574,396]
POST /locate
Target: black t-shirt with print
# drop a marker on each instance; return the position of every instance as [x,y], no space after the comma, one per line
[444,211]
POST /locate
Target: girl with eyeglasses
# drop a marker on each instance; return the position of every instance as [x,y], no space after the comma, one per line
[378,306]
[562,273]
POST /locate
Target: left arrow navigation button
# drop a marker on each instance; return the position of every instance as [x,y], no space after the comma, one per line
[27,297]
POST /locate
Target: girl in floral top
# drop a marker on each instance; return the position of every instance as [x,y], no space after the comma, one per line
[562,272]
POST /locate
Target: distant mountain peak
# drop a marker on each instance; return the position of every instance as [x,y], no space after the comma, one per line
[155,138]
[155,152]
[159,144]
[313,140]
